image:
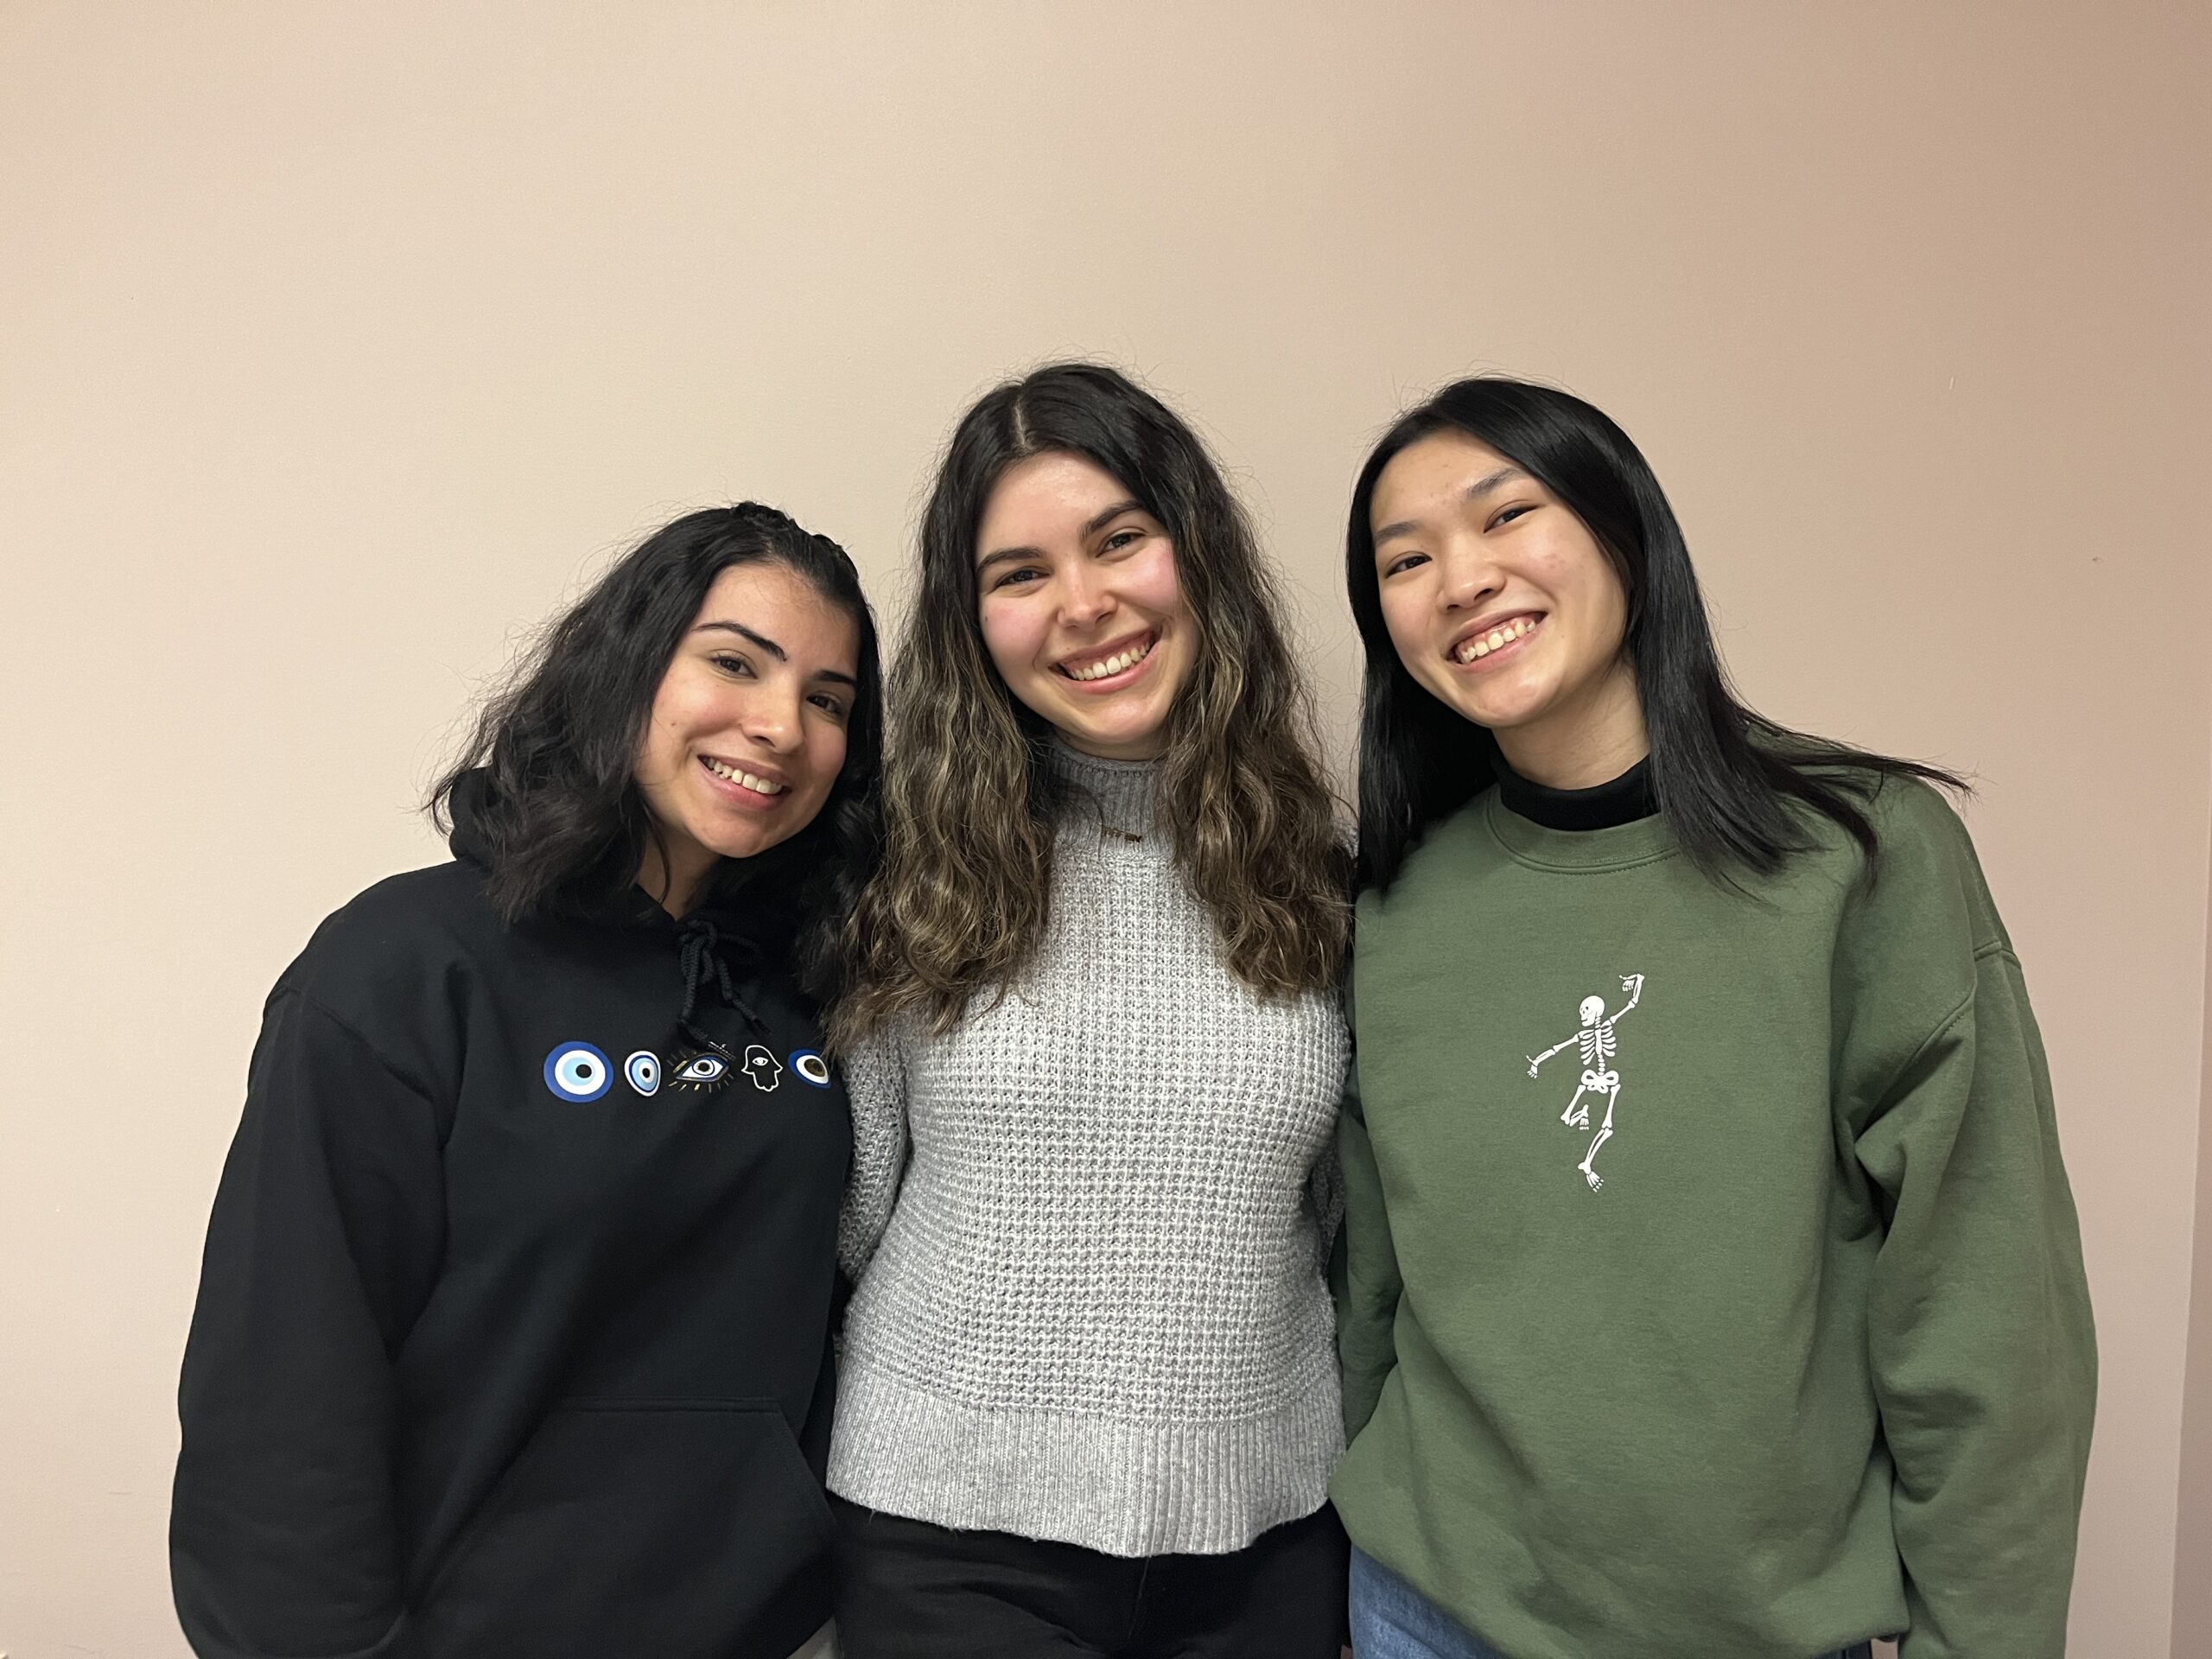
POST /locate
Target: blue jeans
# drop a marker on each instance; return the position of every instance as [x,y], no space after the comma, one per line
[1391,1619]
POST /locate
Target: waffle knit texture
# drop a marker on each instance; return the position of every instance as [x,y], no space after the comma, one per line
[1089,1227]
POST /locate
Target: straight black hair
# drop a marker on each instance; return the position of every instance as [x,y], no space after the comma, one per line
[560,811]
[1725,776]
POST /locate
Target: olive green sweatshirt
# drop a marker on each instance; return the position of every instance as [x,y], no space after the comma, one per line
[1711,1287]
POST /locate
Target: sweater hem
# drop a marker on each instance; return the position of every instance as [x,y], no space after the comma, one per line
[1125,1488]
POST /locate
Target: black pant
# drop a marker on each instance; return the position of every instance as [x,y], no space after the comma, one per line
[915,1591]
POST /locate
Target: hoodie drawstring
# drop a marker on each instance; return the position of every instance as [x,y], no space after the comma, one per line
[699,954]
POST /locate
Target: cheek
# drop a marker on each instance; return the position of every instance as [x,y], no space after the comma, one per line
[1618,613]
[686,708]
[1403,619]
[1013,636]
[1606,607]
[1153,584]
[662,742]
[829,759]
[1579,573]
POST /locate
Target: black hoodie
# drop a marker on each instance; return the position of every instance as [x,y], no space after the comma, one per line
[513,1335]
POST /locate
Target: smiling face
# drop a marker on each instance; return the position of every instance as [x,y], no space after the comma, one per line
[1081,608]
[747,733]
[1500,604]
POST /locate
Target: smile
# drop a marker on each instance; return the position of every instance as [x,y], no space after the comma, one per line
[742,778]
[1481,644]
[1117,661]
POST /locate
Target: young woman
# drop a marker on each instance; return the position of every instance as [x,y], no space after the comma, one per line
[1089,1397]
[512,1332]
[1713,1287]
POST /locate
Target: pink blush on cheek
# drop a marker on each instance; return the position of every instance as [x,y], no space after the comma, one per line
[1014,635]
[1153,584]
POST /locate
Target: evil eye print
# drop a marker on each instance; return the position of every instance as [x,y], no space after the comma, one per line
[811,1067]
[642,1069]
[764,1068]
[578,1071]
[700,1072]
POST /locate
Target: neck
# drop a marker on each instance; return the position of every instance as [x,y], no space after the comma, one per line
[1581,746]
[1148,747]
[674,882]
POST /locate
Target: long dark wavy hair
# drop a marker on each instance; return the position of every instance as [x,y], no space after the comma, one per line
[559,809]
[1725,776]
[960,901]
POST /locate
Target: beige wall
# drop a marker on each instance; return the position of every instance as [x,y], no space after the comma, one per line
[338,343]
[2193,1529]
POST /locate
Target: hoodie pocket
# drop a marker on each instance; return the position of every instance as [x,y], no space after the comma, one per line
[641,1527]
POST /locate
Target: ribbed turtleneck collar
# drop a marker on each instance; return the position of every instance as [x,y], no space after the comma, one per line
[1123,790]
[1623,800]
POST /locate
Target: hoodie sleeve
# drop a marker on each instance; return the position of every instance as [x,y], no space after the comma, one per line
[1982,1350]
[876,1083]
[1364,1272]
[325,1238]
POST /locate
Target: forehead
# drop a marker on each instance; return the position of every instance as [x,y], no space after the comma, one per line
[771,598]
[1044,498]
[1431,472]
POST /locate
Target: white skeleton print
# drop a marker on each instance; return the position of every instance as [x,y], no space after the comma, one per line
[1599,1045]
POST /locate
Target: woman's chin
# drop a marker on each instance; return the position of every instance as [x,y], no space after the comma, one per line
[751,845]
[1127,740]
[1500,708]
[740,840]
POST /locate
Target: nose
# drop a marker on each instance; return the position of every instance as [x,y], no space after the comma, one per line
[773,717]
[1085,595]
[1470,576]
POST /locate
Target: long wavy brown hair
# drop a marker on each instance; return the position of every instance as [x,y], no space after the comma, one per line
[959,903]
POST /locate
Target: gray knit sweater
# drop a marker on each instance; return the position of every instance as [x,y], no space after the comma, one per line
[1089,1228]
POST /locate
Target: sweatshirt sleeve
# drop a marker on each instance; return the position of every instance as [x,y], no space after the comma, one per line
[876,1083]
[1364,1273]
[1325,1191]
[325,1238]
[1982,1350]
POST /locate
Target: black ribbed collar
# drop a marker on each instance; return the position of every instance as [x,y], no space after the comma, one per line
[1624,800]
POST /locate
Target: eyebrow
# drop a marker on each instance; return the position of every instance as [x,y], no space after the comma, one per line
[1096,524]
[1474,491]
[774,650]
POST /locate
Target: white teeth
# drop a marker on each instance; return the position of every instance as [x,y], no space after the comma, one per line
[1113,665]
[1496,639]
[758,786]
